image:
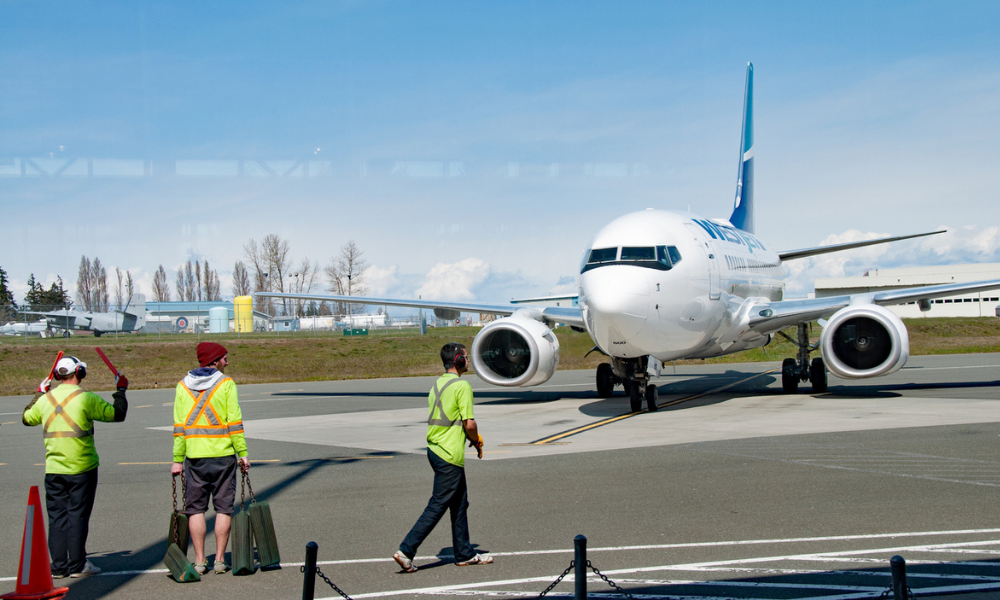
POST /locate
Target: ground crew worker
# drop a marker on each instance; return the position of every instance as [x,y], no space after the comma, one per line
[208,438]
[449,425]
[67,416]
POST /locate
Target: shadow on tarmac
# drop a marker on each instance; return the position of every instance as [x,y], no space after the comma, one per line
[136,563]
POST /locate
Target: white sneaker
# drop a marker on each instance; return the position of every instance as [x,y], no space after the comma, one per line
[88,570]
[479,559]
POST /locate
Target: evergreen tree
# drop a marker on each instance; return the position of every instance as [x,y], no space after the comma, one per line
[7,305]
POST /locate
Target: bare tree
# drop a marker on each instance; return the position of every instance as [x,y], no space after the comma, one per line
[346,273]
[211,283]
[161,289]
[241,280]
[302,281]
[180,283]
[189,290]
[197,281]
[99,286]
[271,264]
[84,294]
[119,289]
[131,289]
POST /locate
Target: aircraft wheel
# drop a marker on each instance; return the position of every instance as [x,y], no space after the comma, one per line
[651,398]
[634,398]
[817,375]
[605,380]
[789,376]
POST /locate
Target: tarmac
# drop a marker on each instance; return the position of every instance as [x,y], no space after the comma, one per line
[731,490]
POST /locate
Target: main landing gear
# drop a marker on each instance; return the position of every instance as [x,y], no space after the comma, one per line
[801,369]
[634,379]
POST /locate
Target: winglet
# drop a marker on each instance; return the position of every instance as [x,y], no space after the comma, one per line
[742,217]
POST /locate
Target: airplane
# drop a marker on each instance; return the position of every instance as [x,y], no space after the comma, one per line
[657,286]
[39,328]
[131,318]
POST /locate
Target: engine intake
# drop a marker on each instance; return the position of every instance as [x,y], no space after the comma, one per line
[864,341]
[515,351]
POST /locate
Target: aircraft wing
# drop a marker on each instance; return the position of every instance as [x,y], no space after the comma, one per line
[552,314]
[804,252]
[774,316]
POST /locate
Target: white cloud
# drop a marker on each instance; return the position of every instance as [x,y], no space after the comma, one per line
[381,280]
[454,281]
[968,244]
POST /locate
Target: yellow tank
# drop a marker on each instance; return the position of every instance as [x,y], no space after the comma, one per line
[243,312]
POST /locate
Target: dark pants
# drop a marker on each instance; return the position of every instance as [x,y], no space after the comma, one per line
[450,494]
[69,500]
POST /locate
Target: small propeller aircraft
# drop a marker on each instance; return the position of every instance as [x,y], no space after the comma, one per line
[131,318]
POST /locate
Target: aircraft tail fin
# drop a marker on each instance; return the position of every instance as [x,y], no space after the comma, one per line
[137,307]
[742,217]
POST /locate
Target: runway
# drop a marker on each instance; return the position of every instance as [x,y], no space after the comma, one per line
[734,490]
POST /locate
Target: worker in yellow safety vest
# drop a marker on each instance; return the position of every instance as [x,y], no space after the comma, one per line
[208,444]
[450,424]
[67,416]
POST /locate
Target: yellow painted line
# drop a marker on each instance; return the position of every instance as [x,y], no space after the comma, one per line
[144,406]
[3,464]
[565,434]
[8,423]
[497,451]
[289,391]
[533,443]
[167,404]
[265,460]
[146,463]
[39,464]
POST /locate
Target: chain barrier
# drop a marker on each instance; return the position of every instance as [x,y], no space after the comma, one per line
[333,585]
[609,582]
[590,566]
[572,564]
[890,593]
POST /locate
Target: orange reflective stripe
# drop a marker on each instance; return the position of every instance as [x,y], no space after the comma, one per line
[60,409]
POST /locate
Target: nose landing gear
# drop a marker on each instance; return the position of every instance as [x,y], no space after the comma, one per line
[633,378]
[801,369]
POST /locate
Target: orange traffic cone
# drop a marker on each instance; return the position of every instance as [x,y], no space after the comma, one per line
[34,575]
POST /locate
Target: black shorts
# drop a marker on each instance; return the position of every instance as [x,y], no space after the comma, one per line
[215,477]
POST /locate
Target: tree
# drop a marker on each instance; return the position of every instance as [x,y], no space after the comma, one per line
[31,299]
[7,304]
[197,280]
[241,280]
[211,283]
[189,289]
[92,285]
[56,296]
[346,273]
[119,289]
[271,263]
[180,283]
[302,281]
[161,289]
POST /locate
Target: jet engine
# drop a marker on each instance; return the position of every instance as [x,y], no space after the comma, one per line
[864,341]
[515,351]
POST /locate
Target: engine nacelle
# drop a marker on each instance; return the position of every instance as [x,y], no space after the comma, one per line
[864,340]
[515,351]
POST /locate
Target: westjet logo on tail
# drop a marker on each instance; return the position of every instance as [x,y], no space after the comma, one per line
[730,234]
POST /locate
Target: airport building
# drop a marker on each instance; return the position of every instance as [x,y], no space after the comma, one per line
[984,304]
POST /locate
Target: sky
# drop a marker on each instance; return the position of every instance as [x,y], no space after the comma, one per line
[472,150]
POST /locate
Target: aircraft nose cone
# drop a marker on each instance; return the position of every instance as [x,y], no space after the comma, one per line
[617,297]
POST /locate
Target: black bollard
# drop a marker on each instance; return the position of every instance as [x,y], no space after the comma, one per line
[309,572]
[898,566]
[580,562]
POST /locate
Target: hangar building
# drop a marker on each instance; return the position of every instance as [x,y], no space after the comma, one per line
[984,304]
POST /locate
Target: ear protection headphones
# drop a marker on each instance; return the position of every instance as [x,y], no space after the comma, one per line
[461,360]
[69,366]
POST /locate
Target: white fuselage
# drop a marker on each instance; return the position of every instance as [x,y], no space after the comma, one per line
[675,285]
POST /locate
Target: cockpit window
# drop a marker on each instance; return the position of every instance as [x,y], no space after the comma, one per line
[602,255]
[661,258]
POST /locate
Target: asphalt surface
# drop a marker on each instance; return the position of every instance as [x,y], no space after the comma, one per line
[739,492]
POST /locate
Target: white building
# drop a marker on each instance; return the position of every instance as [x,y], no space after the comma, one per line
[984,304]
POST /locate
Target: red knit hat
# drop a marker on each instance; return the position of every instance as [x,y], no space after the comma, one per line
[209,352]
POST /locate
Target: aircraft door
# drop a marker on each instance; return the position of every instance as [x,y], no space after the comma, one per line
[714,283]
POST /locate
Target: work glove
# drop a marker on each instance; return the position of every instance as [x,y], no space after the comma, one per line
[45,386]
[478,445]
[121,382]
